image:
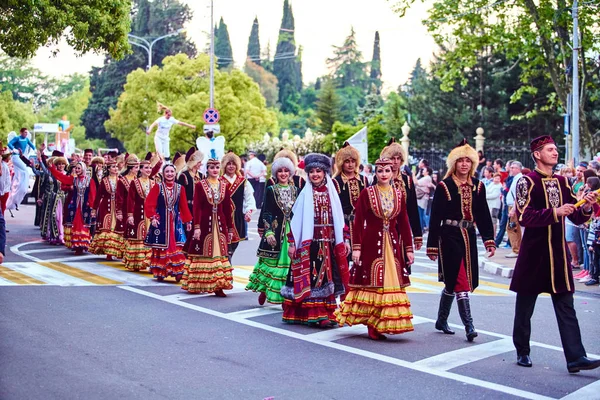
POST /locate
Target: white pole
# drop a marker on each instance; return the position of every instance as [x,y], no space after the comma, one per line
[575,118]
[212,57]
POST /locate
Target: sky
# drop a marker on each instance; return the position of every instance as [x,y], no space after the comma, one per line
[320,24]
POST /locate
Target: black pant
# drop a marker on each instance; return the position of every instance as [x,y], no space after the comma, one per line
[568,326]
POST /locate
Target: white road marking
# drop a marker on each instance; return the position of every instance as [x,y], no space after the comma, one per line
[48,250]
[126,277]
[466,355]
[48,275]
[588,392]
[368,354]
[257,312]
[6,282]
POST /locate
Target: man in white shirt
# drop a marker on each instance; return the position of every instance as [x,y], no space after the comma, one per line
[162,139]
[513,229]
[254,171]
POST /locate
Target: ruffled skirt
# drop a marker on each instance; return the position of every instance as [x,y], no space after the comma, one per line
[80,234]
[310,311]
[206,275]
[167,262]
[137,255]
[109,243]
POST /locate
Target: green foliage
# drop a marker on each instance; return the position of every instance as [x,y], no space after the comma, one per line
[372,108]
[267,82]
[328,107]
[253,54]
[183,84]
[286,66]
[87,25]
[297,124]
[394,112]
[375,74]
[223,50]
[377,135]
[14,115]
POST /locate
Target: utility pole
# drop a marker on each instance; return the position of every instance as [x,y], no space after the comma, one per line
[575,106]
[212,57]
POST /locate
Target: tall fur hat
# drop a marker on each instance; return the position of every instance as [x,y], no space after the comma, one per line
[316,160]
[287,154]
[345,153]
[282,162]
[59,160]
[178,162]
[193,157]
[132,160]
[231,157]
[462,150]
[97,160]
[394,149]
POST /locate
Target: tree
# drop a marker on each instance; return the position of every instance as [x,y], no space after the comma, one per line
[267,82]
[183,84]
[90,25]
[371,109]
[328,107]
[253,54]
[285,64]
[223,50]
[534,35]
[375,74]
[150,19]
[394,111]
[14,115]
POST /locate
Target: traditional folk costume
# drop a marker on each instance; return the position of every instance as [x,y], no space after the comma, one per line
[137,255]
[295,180]
[406,185]
[186,178]
[457,208]
[123,186]
[377,296]
[271,270]
[208,269]
[166,205]
[107,240]
[242,200]
[319,267]
[542,265]
[349,189]
[97,173]
[53,204]
[79,207]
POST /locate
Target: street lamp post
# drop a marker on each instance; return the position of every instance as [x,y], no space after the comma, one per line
[147,45]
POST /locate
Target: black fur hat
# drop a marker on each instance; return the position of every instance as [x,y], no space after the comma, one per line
[316,160]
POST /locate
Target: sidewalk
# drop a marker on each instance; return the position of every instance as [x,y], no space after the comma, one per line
[500,265]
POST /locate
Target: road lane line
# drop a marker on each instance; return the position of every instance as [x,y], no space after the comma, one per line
[80,274]
[337,346]
[117,274]
[467,355]
[48,250]
[257,312]
[47,275]
[588,392]
[16,277]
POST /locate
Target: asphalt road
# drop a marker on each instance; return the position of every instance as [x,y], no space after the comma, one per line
[80,327]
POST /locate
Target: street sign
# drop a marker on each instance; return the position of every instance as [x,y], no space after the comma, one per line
[211,116]
[216,128]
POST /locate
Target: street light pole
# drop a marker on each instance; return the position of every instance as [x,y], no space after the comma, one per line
[146,45]
[212,57]
[575,107]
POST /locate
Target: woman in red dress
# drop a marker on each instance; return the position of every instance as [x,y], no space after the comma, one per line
[166,208]
[208,269]
[137,255]
[80,205]
[377,297]
[107,240]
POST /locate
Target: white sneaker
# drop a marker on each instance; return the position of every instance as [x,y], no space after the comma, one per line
[512,255]
[585,278]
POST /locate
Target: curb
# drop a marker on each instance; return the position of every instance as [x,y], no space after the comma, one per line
[495,268]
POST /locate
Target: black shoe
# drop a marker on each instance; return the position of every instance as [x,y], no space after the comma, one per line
[524,361]
[464,310]
[582,363]
[441,324]
[591,282]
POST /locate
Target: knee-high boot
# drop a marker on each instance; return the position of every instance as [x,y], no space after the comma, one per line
[441,324]
[464,309]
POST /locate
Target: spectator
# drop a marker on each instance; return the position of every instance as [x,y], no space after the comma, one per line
[594,165]
[488,176]
[2,237]
[482,162]
[423,163]
[504,209]
[581,168]
[423,189]
[593,277]
[499,168]
[514,229]
[493,194]
[254,170]
[591,183]
[567,172]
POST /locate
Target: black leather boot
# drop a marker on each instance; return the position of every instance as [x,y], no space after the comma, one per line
[464,309]
[441,324]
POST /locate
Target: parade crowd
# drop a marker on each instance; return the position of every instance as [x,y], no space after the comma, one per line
[336,245]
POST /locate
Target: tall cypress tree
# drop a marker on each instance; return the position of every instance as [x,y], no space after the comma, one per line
[253,53]
[328,106]
[285,64]
[376,65]
[223,49]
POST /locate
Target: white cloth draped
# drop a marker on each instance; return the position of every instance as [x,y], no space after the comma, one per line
[20,183]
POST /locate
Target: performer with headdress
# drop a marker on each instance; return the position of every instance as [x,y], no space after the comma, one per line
[137,255]
[132,168]
[271,270]
[96,170]
[210,145]
[349,183]
[165,123]
[243,203]
[543,201]
[54,202]
[294,180]
[108,240]
[80,205]
[377,297]
[190,175]
[208,269]
[403,181]
[318,247]
[459,204]
[166,208]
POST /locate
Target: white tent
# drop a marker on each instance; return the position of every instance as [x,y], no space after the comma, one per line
[359,142]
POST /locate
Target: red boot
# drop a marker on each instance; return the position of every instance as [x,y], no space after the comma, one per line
[220,293]
[374,334]
[262,298]
[109,257]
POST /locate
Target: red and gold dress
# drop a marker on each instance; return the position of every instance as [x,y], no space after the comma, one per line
[207,268]
[137,255]
[377,296]
[167,205]
[107,240]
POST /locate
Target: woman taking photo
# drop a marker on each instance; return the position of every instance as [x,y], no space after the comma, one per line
[273,264]
[379,275]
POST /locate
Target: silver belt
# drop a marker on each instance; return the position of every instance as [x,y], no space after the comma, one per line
[459,224]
